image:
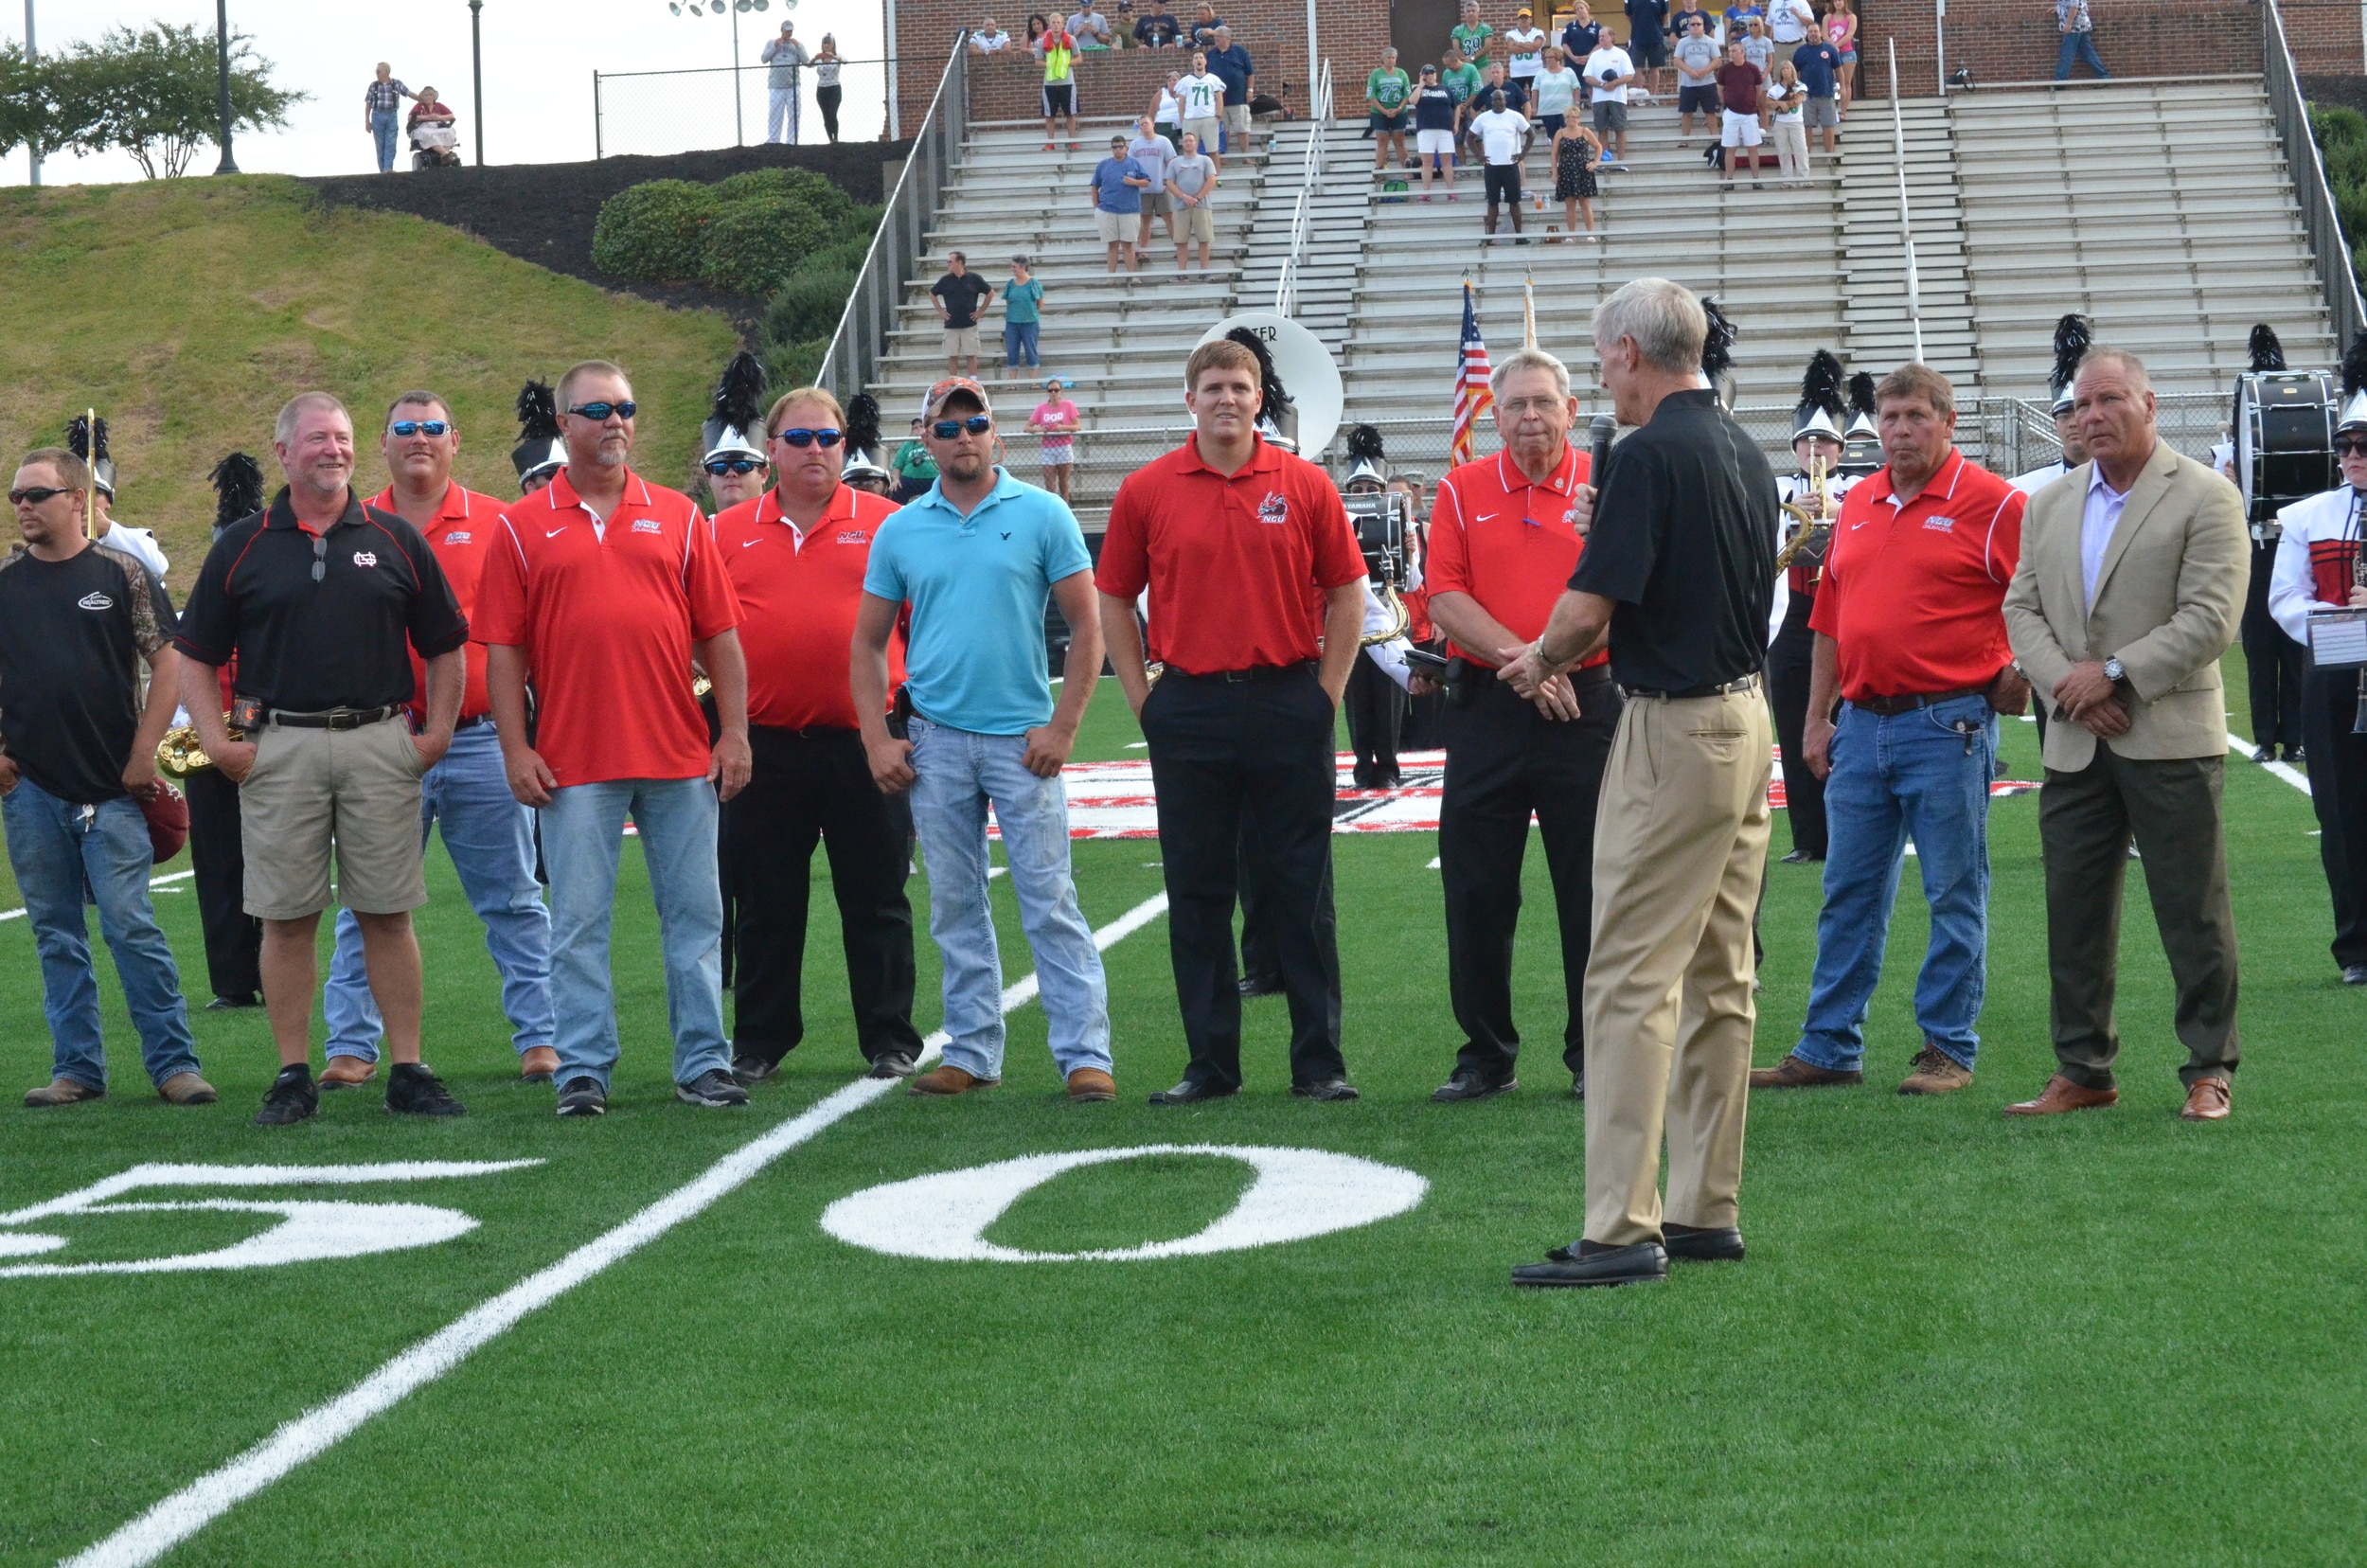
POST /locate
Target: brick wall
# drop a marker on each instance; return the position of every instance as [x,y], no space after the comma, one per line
[2015,39]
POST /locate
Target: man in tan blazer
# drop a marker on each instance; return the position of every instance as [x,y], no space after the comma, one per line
[2130,586]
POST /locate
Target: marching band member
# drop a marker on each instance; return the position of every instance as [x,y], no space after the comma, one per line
[2319,567]
[488,834]
[107,532]
[1502,543]
[542,451]
[1240,724]
[1376,694]
[234,938]
[863,469]
[2272,661]
[732,449]
[1815,488]
[796,555]
[2072,336]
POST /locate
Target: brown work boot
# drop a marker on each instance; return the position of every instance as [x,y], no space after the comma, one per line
[2062,1094]
[1091,1083]
[1792,1072]
[344,1072]
[1935,1073]
[2208,1100]
[539,1066]
[61,1091]
[949,1080]
[186,1089]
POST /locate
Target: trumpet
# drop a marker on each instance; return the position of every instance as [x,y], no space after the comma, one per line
[180,754]
[1813,526]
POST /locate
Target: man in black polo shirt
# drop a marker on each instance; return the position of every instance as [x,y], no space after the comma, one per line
[321,598]
[1680,572]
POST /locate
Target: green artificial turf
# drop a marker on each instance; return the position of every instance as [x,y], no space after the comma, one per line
[2112,1338]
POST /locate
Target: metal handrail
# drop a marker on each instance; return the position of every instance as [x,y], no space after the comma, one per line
[1310,182]
[2336,279]
[888,264]
[1906,226]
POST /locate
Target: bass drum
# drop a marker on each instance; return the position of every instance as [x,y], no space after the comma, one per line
[2284,439]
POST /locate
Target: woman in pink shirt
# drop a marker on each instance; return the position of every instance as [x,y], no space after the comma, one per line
[1056,419]
[1840,31]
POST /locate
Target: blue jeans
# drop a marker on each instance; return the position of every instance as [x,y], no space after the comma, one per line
[56,850]
[959,773]
[2078,47]
[383,124]
[491,838]
[583,827]
[1924,773]
[1019,343]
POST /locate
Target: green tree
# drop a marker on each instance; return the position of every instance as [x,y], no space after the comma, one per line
[29,110]
[153,93]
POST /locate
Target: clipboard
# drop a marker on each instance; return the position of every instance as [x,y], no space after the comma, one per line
[2338,639]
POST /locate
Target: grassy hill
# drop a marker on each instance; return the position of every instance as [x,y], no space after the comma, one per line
[189,310]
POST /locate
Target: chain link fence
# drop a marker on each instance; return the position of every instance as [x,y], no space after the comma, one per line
[2015,434]
[661,112]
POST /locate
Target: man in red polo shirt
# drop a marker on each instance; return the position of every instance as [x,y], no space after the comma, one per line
[1911,633]
[601,589]
[1237,541]
[1502,545]
[489,835]
[796,555]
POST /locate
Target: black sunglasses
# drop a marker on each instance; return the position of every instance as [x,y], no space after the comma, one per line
[802,438]
[320,557]
[33,496]
[733,465]
[977,424]
[600,411]
[419,427]
[2344,446]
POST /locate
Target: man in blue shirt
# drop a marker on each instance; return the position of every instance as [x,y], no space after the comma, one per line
[1648,40]
[1118,186]
[974,558]
[1230,63]
[1819,64]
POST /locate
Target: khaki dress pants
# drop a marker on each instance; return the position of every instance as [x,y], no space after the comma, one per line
[1680,848]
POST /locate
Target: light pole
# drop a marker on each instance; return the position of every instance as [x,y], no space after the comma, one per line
[739,129]
[476,71]
[32,146]
[222,60]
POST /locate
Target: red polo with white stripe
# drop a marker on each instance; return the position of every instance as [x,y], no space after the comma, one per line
[1508,544]
[460,533]
[799,589]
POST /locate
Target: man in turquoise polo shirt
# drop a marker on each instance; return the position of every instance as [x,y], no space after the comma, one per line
[975,557]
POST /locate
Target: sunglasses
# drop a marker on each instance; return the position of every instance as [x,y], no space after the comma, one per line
[419,427]
[34,495]
[2344,446]
[977,424]
[803,439]
[600,411]
[320,557]
[733,465]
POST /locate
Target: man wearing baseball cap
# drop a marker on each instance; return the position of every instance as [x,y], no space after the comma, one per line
[974,558]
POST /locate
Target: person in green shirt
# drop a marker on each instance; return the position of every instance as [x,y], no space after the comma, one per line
[1462,82]
[916,471]
[1023,301]
[1472,35]
[1385,94]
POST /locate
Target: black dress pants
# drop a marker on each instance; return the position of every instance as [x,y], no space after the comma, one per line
[2272,662]
[234,938]
[808,785]
[2338,791]
[1376,708]
[1789,659]
[1226,754]
[1504,759]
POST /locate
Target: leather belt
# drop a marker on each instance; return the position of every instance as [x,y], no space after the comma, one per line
[1748,683]
[335,719]
[472,722]
[1889,707]
[1234,677]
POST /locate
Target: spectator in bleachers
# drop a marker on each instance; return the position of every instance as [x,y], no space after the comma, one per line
[1697,59]
[959,296]
[1574,151]
[1525,50]
[1118,183]
[1713,25]
[1167,110]
[1056,421]
[1202,93]
[1555,91]
[784,54]
[1123,36]
[1820,67]
[1387,95]
[380,103]
[1192,188]
[1582,33]
[1502,135]
[1155,28]
[1470,37]
[986,38]
[1151,151]
[1840,31]
[1788,23]
[1784,101]
[1232,65]
[1648,43]
[1738,83]
[1737,13]
[1435,113]
[2079,40]
[1463,81]
[1058,50]
[1757,47]
[916,471]
[1022,318]
[1089,26]
[1609,71]
[1204,27]
[1036,28]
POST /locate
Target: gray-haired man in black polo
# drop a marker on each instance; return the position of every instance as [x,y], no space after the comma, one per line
[322,598]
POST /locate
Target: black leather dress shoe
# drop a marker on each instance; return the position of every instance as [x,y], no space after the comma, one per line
[1593,1263]
[2355,975]
[1698,1244]
[226,1004]
[1577,1086]
[1326,1089]
[2264,754]
[1260,985]
[1801,857]
[1468,1085]
[1192,1090]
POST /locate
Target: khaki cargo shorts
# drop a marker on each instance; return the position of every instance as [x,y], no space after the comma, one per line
[351,794]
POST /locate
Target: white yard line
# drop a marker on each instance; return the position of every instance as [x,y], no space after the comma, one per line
[315,1432]
[2238,746]
[18,914]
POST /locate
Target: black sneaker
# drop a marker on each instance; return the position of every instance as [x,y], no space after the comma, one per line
[752,1069]
[583,1097]
[292,1097]
[712,1088]
[1466,1084]
[1325,1089]
[893,1064]
[413,1091]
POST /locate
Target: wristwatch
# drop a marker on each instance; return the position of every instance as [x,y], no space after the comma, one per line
[2114,672]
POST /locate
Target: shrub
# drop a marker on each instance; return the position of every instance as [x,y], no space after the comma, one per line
[810,304]
[753,246]
[652,232]
[2341,137]
[745,235]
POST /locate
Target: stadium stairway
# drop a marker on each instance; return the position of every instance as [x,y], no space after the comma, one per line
[1335,239]
[1873,268]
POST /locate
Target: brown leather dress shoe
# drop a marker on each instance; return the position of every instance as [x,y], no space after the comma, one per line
[539,1066]
[61,1091]
[2062,1095]
[1935,1073]
[347,1072]
[2208,1100]
[1091,1083]
[186,1089]
[949,1080]
[1792,1072]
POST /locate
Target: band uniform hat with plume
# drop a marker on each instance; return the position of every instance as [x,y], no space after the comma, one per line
[1820,411]
[541,448]
[1277,416]
[1367,463]
[2074,337]
[2353,415]
[1861,411]
[735,424]
[237,482]
[1717,353]
[79,432]
[862,439]
[2264,349]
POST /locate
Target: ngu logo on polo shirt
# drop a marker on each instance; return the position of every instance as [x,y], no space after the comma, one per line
[1940,524]
[1274,508]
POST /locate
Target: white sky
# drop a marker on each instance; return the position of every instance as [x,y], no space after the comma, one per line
[539,60]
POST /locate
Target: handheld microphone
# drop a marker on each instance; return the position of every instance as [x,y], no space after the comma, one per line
[1601,430]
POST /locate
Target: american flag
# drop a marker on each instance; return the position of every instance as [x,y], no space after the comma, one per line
[1472,396]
